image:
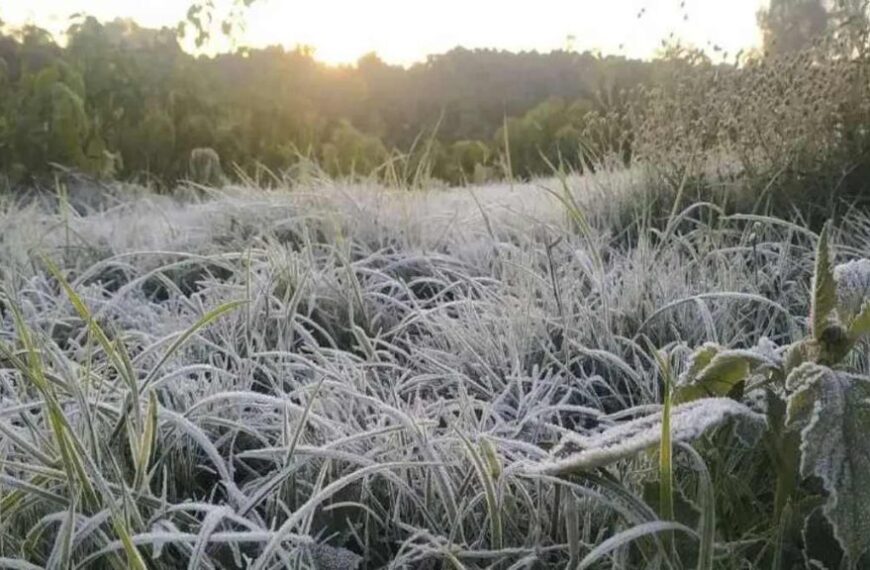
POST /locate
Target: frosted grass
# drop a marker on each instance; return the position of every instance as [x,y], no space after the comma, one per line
[397,359]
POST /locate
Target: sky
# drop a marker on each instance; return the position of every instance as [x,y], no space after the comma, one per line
[406,31]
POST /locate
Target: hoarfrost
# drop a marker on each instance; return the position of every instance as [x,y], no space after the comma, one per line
[853,284]
[688,422]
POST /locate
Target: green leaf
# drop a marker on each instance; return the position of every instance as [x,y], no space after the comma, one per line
[146,442]
[701,358]
[491,495]
[204,321]
[802,397]
[820,544]
[714,372]
[832,411]
[110,348]
[489,453]
[718,379]
[824,306]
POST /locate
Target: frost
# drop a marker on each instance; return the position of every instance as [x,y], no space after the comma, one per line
[861,325]
[768,350]
[327,557]
[823,312]
[853,293]
[832,412]
[698,361]
[853,285]
[688,422]
[757,401]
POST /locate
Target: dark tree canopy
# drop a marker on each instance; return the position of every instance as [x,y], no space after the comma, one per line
[792,25]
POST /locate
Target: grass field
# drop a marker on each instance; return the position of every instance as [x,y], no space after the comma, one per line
[346,376]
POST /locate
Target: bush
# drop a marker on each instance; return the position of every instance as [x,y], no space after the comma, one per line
[789,130]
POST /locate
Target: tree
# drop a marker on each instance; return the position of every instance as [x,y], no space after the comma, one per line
[792,25]
[204,19]
[351,152]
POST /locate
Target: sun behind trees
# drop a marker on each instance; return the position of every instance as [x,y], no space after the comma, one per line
[120,88]
[122,101]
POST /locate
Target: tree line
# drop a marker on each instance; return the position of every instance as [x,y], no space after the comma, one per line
[119,100]
[125,101]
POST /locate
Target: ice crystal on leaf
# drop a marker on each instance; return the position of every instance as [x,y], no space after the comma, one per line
[853,285]
[688,422]
[832,411]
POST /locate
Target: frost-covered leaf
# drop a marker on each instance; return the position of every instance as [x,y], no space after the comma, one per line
[824,303]
[718,378]
[688,422]
[333,558]
[723,370]
[800,385]
[491,457]
[797,353]
[803,376]
[699,360]
[853,286]
[769,351]
[832,410]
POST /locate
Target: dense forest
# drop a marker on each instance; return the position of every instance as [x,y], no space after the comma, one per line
[118,99]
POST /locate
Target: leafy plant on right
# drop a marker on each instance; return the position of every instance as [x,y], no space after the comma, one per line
[818,410]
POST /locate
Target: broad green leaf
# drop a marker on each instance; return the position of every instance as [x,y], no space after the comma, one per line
[714,372]
[824,303]
[800,386]
[832,411]
[717,379]
[701,359]
[820,544]
[688,422]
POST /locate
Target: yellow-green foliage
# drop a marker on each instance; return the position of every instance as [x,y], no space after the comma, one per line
[350,151]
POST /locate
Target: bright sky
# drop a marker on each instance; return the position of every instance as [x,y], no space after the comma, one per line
[404,31]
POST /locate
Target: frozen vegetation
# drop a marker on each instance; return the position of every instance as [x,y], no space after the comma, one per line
[344,376]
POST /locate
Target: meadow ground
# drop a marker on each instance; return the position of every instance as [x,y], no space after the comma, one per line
[342,376]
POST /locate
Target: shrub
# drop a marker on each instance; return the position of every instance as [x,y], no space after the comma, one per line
[205,167]
[789,130]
